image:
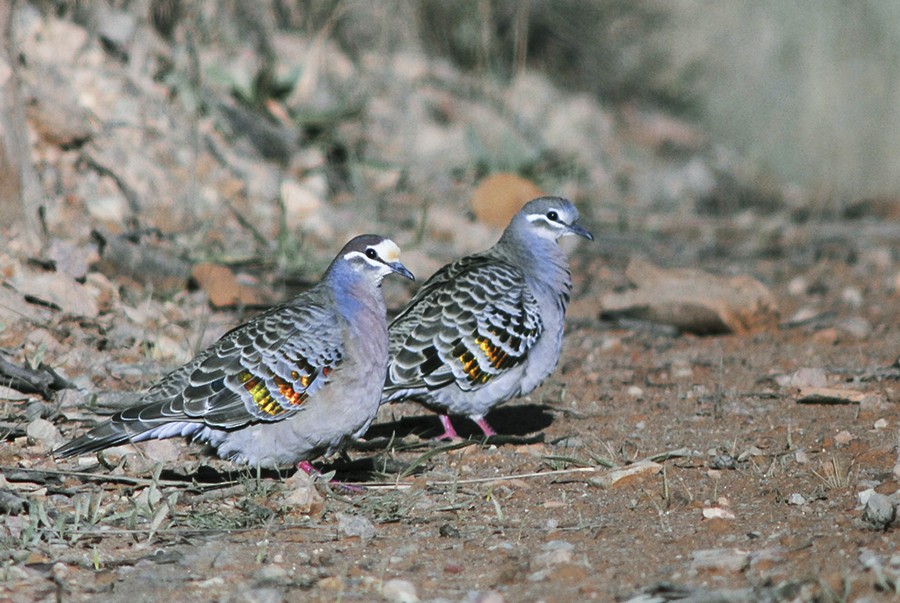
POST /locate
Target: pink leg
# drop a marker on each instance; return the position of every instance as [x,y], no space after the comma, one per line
[449,432]
[307,468]
[487,429]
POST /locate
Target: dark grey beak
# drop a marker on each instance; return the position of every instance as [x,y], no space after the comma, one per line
[402,270]
[581,231]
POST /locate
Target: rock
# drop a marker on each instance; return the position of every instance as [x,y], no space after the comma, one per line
[258,595]
[355,526]
[579,127]
[303,203]
[399,591]
[60,289]
[115,28]
[44,432]
[108,209]
[852,296]
[301,495]
[163,451]
[71,398]
[55,38]
[72,259]
[694,301]
[14,308]
[856,326]
[879,512]
[271,574]
[55,114]
[718,513]
[490,596]
[554,552]
[728,560]
[796,499]
[804,377]
[9,394]
[11,503]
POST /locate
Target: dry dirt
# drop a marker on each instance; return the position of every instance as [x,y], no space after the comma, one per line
[525,518]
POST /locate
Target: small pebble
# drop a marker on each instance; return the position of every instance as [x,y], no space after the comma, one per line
[796,499]
[856,326]
[723,461]
[271,573]
[399,591]
[355,526]
[44,432]
[490,596]
[554,553]
[718,513]
[879,512]
[852,296]
[843,437]
[733,560]
[797,286]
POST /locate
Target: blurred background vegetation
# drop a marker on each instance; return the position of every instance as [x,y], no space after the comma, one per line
[807,89]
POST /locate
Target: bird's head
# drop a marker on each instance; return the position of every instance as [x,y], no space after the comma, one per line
[550,218]
[374,256]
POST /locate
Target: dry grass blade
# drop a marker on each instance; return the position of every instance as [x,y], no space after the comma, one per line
[423,458]
[397,485]
[672,454]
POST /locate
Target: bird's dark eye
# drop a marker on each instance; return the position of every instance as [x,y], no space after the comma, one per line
[371,254]
[553,216]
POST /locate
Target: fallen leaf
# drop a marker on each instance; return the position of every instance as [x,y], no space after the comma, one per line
[625,475]
[499,196]
[222,287]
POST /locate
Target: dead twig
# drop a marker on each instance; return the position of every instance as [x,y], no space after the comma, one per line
[40,475]
[42,380]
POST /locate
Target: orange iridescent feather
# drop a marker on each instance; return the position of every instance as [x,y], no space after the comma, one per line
[263,398]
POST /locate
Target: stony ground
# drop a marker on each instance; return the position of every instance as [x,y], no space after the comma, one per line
[653,464]
[758,495]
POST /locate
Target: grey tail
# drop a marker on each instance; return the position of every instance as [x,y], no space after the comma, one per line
[99,438]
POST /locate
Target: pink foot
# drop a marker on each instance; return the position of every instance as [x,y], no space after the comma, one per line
[487,429]
[449,433]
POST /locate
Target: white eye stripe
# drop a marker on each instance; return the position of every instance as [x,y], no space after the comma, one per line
[357,256]
[542,217]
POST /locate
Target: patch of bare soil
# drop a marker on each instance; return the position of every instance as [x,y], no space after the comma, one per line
[739,492]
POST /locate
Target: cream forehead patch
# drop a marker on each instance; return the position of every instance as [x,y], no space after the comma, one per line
[387,250]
